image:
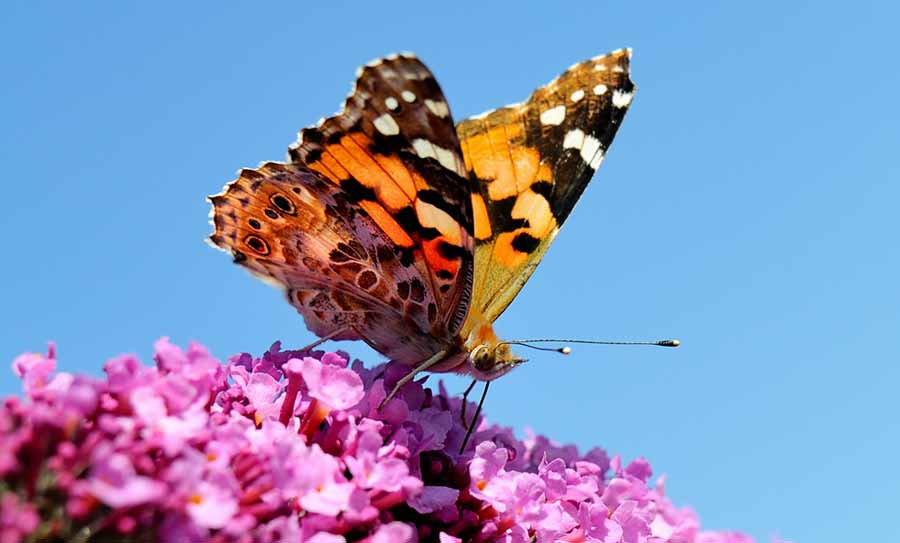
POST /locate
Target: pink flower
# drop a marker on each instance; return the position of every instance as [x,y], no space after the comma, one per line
[374,466]
[394,532]
[17,519]
[35,369]
[291,446]
[114,482]
[335,386]
[214,501]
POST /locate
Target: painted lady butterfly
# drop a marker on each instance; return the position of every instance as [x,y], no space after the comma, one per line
[393,226]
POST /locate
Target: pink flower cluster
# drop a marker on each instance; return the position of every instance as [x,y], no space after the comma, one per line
[292,447]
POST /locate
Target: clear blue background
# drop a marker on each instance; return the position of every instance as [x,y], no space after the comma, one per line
[748,207]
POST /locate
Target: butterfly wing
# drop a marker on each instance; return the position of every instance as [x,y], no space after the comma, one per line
[530,163]
[379,237]
[394,148]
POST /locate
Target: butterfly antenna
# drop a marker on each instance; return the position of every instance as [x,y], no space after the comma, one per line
[567,350]
[560,350]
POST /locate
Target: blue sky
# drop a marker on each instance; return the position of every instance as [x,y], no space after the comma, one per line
[747,207]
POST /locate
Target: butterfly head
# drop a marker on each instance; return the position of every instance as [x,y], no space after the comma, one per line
[489,358]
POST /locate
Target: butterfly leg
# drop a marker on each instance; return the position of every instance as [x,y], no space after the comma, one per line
[475,418]
[437,357]
[323,339]
[462,409]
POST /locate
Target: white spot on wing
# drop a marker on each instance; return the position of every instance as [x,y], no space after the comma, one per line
[438,107]
[445,157]
[391,102]
[577,95]
[622,99]
[600,89]
[386,125]
[424,148]
[554,116]
[408,96]
[590,149]
[574,139]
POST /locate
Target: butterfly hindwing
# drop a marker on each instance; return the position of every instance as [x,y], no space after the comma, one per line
[529,163]
[292,227]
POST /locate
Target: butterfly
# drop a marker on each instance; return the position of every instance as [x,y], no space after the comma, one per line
[392,225]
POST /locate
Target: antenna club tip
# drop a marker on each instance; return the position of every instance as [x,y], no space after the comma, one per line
[670,343]
[565,350]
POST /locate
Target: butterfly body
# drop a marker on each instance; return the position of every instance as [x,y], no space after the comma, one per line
[393,226]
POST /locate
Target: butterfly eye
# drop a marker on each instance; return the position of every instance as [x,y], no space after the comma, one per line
[482,359]
[283,203]
[257,244]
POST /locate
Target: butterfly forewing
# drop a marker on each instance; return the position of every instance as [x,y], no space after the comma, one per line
[369,229]
[394,149]
[529,163]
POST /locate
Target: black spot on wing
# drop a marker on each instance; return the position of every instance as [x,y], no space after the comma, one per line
[356,191]
[366,279]
[312,135]
[407,257]
[257,244]
[525,242]
[283,203]
[312,155]
[338,256]
[544,188]
[451,251]
[417,290]
[403,290]
[501,216]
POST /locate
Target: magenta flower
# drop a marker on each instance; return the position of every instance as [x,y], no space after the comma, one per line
[113,481]
[17,519]
[291,446]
